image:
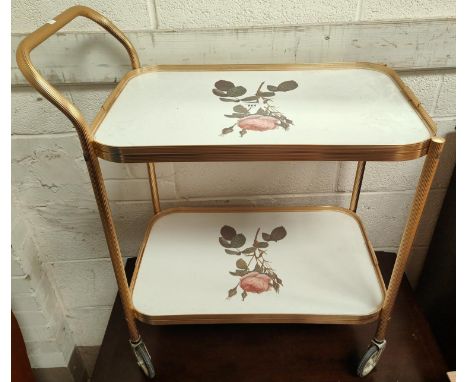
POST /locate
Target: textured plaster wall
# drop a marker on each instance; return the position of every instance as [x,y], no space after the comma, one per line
[64,298]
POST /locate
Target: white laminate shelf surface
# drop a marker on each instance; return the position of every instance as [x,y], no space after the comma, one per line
[323,261]
[344,106]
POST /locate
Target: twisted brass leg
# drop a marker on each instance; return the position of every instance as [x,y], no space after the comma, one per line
[377,346]
[111,237]
[422,192]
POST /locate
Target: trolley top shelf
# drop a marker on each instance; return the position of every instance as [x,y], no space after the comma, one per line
[262,112]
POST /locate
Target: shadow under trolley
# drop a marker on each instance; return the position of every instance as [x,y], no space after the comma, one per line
[311,264]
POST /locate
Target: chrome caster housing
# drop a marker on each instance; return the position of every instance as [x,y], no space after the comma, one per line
[143,358]
[371,358]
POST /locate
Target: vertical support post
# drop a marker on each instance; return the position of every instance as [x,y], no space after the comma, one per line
[419,201]
[154,187]
[110,233]
[361,166]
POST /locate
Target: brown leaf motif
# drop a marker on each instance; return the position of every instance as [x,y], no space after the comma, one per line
[255,273]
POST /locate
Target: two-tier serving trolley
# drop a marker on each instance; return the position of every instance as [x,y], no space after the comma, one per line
[311,264]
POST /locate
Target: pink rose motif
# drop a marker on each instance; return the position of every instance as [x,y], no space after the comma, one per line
[258,123]
[255,282]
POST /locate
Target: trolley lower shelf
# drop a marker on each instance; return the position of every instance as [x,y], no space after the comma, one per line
[312,265]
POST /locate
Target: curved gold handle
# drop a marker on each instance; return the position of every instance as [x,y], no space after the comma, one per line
[41,84]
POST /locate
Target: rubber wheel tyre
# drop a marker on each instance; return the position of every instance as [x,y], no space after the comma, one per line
[368,361]
[144,361]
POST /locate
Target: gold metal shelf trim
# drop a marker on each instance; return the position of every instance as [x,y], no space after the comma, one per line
[235,153]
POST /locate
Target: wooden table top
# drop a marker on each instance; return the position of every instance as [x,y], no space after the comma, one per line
[282,352]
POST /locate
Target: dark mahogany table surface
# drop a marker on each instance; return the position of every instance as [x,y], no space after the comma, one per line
[276,352]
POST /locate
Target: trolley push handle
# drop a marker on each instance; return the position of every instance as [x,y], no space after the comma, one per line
[75,116]
[43,33]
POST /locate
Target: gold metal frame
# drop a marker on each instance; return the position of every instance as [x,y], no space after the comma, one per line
[91,150]
[277,152]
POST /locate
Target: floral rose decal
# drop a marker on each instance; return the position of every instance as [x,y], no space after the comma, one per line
[255,282]
[258,276]
[256,112]
[258,123]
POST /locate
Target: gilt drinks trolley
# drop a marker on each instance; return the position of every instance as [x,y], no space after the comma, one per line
[311,264]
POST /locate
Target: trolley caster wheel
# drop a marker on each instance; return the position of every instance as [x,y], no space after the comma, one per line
[371,358]
[143,358]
